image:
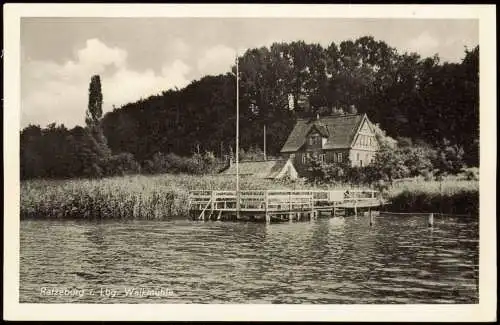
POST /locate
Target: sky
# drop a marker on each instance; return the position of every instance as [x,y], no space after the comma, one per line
[140,57]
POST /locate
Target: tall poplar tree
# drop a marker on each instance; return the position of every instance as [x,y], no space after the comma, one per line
[93,122]
[94,110]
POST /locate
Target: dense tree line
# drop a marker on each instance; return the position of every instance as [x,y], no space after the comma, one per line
[408,96]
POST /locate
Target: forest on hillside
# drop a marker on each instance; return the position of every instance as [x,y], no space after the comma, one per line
[408,96]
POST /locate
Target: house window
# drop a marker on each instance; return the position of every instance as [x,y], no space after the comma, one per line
[357,156]
[322,157]
[314,139]
[305,157]
[339,157]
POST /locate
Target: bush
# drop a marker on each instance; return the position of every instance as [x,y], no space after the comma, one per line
[382,186]
[406,160]
[172,163]
[418,160]
[254,153]
[357,175]
[390,164]
[316,171]
[471,174]
[449,158]
[319,172]
[428,175]
[121,164]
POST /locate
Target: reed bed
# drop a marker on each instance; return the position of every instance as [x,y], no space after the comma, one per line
[447,197]
[127,197]
[445,187]
[166,196]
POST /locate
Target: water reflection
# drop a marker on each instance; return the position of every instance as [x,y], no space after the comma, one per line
[323,261]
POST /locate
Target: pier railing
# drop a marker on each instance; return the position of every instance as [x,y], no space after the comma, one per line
[277,200]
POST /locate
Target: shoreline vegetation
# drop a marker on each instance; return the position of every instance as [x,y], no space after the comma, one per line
[163,197]
[140,160]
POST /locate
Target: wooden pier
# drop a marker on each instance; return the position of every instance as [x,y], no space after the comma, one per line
[279,205]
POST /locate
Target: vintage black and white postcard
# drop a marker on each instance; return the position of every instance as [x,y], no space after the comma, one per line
[249,162]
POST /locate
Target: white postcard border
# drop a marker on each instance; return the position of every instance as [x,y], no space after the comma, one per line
[484,311]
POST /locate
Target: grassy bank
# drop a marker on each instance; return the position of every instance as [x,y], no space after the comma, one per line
[165,196]
[450,196]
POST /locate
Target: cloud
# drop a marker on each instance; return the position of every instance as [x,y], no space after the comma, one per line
[179,47]
[59,92]
[177,70]
[216,60]
[424,44]
[127,85]
[97,55]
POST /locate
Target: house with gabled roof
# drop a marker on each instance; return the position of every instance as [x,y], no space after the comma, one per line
[332,139]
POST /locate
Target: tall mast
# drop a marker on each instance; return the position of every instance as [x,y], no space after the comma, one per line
[265,158]
[237,139]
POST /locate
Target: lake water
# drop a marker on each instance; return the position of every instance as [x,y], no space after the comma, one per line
[325,261]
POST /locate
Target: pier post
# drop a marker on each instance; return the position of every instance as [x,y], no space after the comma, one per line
[290,217]
[237,204]
[311,214]
[265,207]
[355,209]
[430,222]
[371,216]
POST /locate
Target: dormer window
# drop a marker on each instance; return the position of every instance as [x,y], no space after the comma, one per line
[314,139]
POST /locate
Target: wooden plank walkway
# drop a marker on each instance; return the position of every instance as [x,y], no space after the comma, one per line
[277,204]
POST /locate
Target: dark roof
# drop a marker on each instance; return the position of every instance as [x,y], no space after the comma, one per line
[321,128]
[339,130]
[260,169]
